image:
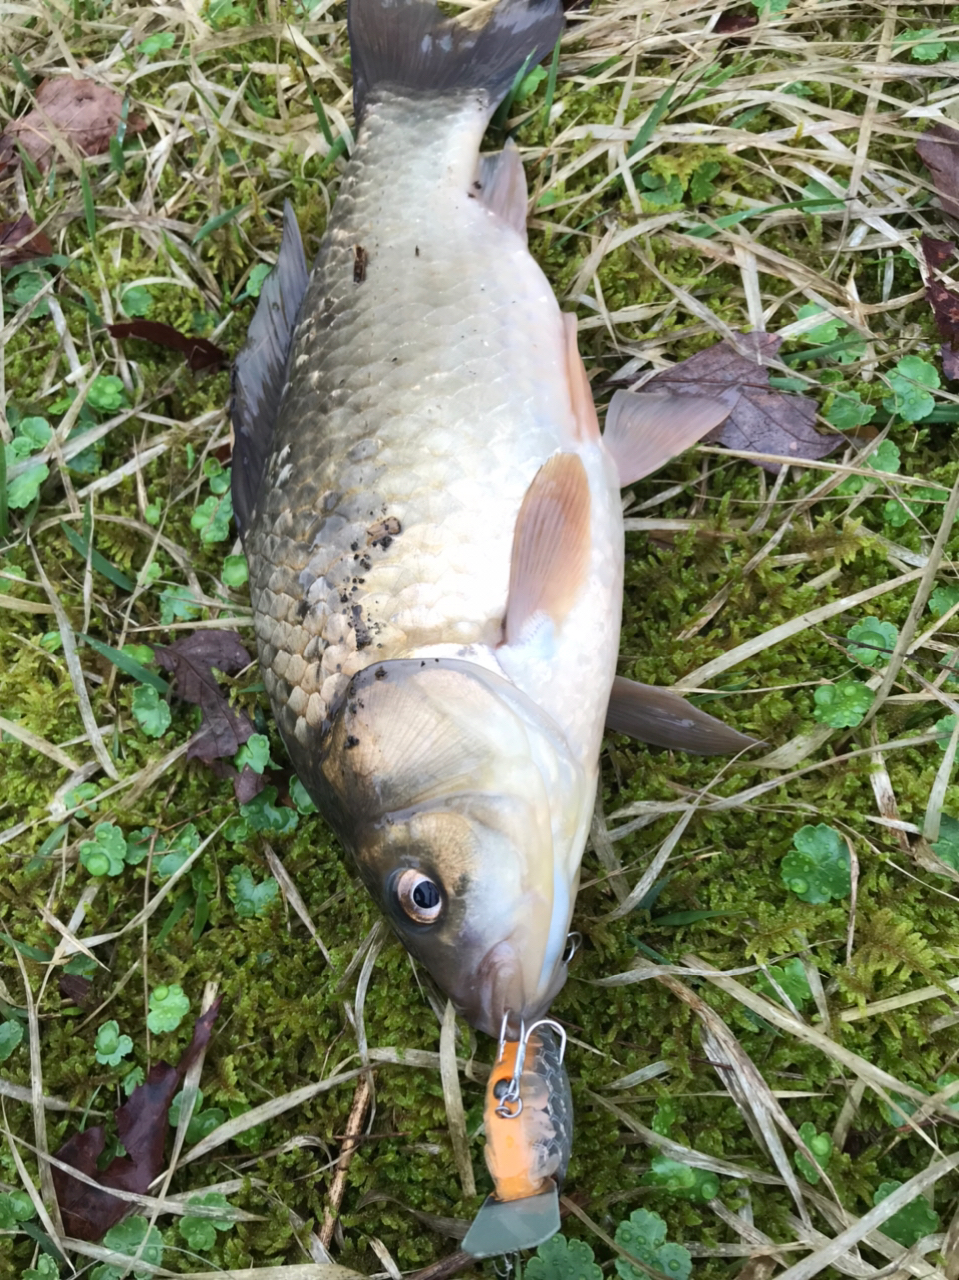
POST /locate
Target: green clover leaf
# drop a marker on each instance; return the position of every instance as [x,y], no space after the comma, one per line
[944,728]
[106,393]
[923,49]
[135,300]
[15,1206]
[128,1236]
[847,411]
[46,1269]
[913,1221]
[151,712]
[212,518]
[249,898]
[871,641]
[106,855]
[256,279]
[22,489]
[942,600]
[110,1045]
[178,604]
[154,44]
[828,331]
[200,1233]
[791,977]
[168,1007]
[201,1122]
[644,1236]
[263,814]
[701,185]
[255,752]
[680,1179]
[562,1259]
[132,1079]
[910,382]
[842,705]
[885,457]
[820,1144]
[899,514]
[235,572]
[11,1033]
[664,1117]
[817,869]
[301,798]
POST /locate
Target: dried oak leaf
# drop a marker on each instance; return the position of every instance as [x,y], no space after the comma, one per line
[20,241]
[83,113]
[938,149]
[944,302]
[760,420]
[193,662]
[728,24]
[200,353]
[142,1123]
[74,988]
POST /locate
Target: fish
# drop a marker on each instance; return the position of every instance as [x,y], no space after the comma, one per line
[528,1118]
[433,523]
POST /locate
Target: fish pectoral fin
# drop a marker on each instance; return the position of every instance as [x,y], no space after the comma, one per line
[502,189]
[503,1226]
[664,719]
[580,392]
[644,429]
[259,373]
[551,545]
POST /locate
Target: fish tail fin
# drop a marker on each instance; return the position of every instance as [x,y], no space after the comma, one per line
[410,46]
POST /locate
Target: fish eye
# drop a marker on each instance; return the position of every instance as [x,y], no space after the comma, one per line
[419,896]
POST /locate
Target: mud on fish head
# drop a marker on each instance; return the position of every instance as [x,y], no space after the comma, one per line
[466,813]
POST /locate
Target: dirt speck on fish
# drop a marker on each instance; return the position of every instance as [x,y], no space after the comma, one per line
[444,690]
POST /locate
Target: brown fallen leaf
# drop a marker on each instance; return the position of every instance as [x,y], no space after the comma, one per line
[200,352]
[944,302]
[729,24]
[85,114]
[193,662]
[760,420]
[74,989]
[20,241]
[938,149]
[142,1123]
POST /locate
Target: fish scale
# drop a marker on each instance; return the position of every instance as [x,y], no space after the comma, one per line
[440,381]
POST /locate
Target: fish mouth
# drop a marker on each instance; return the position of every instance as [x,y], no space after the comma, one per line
[499,993]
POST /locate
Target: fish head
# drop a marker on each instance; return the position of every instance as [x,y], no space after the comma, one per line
[467,815]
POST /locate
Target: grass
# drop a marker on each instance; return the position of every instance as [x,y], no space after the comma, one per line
[684,185]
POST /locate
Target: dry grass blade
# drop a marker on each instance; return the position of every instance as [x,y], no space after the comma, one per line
[294,898]
[746,1086]
[880,1213]
[34,741]
[362,1101]
[453,1100]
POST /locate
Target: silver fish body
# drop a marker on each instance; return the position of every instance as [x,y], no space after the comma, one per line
[432,518]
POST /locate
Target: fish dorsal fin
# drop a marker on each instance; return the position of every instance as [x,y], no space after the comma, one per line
[664,719]
[644,429]
[259,373]
[551,545]
[502,186]
[503,1226]
[580,392]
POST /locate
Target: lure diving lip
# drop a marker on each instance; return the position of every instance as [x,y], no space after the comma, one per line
[529,1133]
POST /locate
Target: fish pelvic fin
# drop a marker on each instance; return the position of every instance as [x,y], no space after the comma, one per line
[644,429]
[551,545]
[664,719]
[411,47]
[502,186]
[259,372]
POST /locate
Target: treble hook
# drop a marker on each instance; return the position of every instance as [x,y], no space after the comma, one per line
[507,1091]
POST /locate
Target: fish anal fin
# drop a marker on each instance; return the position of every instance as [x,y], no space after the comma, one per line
[664,719]
[259,373]
[551,545]
[580,392]
[502,186]
[643,430]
